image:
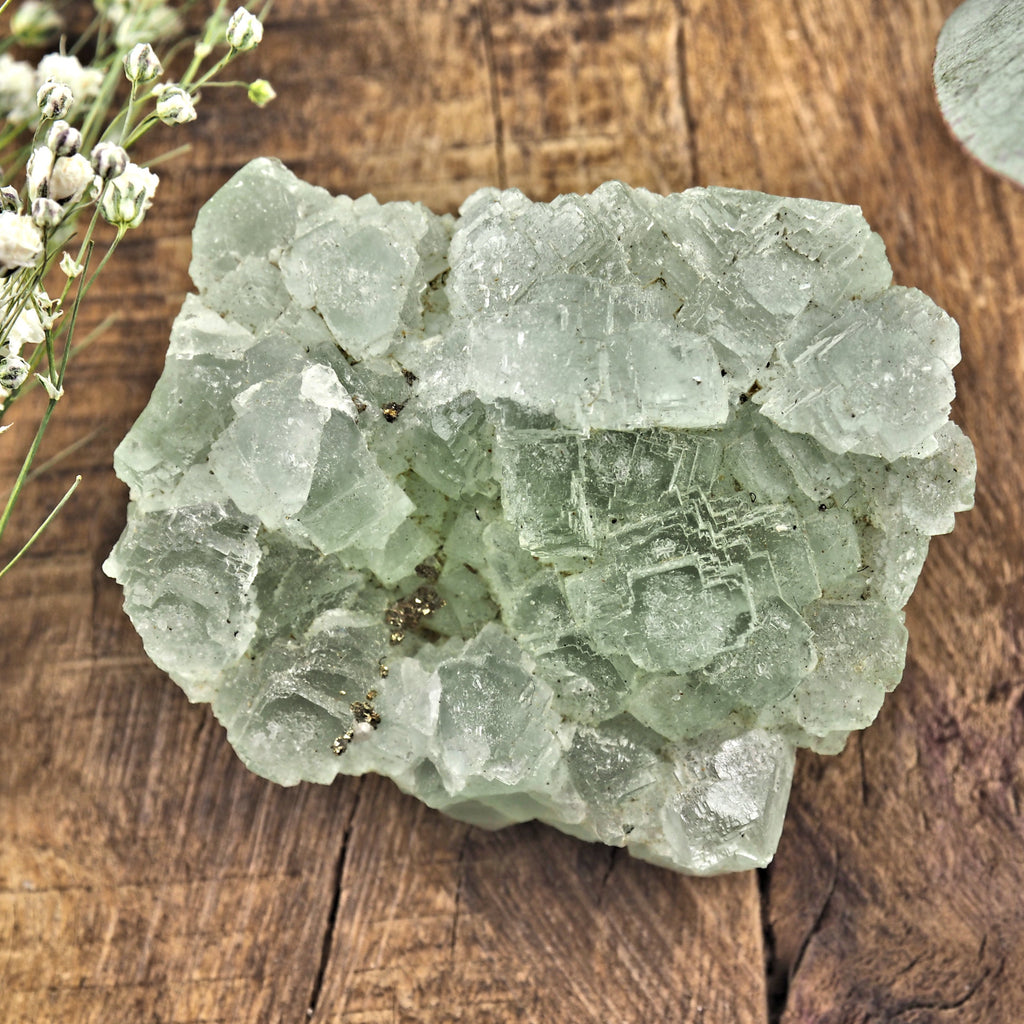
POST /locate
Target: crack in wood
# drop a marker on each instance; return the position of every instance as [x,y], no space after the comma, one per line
[911,1006]
[865,788]
[776,983]
[613,859]
[684,92]
[778,975]
[484,14]
[331,925]
[460,876]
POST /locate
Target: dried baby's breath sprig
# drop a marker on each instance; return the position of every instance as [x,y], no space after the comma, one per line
[67,134]
[35,23]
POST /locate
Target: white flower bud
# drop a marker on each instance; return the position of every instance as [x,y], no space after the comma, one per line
[21,242]
[70,267]
[54,99]
[27,329]
[141,64]
[261,92]
[127,197]
[55,393]
[84,83]
[45,309]
[47,213]
[244,30]
[70,177]
[17,90]
[14,372]
[175,106]
[63,139]
[145,21]
[9,199]
[37,171]
[34,22]
[108,160]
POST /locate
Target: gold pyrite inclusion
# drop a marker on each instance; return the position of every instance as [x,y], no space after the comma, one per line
[591,511]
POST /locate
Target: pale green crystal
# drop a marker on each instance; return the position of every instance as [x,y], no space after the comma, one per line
[590,511]
[979,81]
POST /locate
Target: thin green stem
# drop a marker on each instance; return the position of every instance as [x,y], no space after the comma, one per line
[214,69]
[32,383]
[48,337]
[129,110]
[26,464]
[83,289]
[100,106]
[144,125]
[43,525]
[55,460]
[170,155]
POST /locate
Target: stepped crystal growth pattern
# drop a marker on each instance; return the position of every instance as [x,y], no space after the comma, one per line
[590,511]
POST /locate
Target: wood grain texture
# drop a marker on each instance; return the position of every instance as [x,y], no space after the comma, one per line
[146,876]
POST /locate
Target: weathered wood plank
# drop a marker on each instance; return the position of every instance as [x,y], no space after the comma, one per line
[145,875]
[449,923]
[889,898]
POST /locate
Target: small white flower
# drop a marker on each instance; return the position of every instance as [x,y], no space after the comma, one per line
[50,388]
[70,266]
[34,22]
[112,10]
[244,30]
[54,99]
[48,309]
[21,242]
[63,139]
[70,177]
[47,213]
[174,105]
[108,160]
[141,23]
[37,171]
[17,89]
[26,329]
[261,92]
[14,372]
[84,83]
[141,64]
[9,199]
[3,395]
[127,197]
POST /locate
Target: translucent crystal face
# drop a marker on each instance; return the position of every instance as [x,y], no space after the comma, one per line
[589,512]
[979,82]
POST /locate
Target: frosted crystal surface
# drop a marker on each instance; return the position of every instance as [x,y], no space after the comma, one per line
[591,511]
[979,81]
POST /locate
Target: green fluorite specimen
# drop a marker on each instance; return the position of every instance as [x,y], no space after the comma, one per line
[979,80]
[590,511]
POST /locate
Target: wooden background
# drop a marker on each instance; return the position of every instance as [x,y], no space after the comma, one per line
[145,876]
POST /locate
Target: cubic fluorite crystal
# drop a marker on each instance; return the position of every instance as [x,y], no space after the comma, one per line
[979,81]
[590,511]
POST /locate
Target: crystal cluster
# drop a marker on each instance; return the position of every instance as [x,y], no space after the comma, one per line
[590,511]
[979,81]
